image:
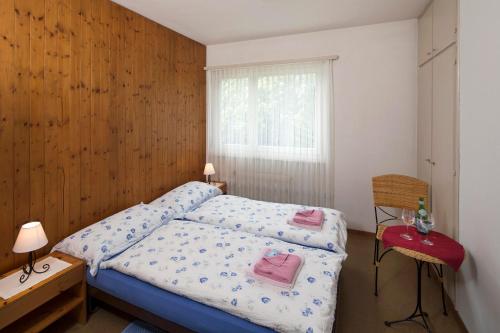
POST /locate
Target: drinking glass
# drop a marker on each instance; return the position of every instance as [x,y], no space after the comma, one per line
[408,217]
[430,224]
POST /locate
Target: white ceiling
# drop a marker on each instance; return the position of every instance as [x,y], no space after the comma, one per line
[221,21]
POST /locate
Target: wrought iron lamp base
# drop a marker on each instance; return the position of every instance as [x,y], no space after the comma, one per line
[30,267]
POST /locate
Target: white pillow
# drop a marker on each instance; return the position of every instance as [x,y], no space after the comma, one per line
[106,238]
[187,197]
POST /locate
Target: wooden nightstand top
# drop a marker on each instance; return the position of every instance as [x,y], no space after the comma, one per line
[221,185]
[47,300]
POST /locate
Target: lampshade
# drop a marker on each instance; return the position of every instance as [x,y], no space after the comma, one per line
[209,169]
[31,237]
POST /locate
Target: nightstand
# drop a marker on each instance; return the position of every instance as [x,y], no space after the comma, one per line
[221,185]
[42,304]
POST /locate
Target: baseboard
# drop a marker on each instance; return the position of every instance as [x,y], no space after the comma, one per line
[455,313]
[361,232]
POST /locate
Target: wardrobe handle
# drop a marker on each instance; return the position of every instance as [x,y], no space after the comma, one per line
[428,160]
[433,163]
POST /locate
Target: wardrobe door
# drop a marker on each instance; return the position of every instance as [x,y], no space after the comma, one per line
[444,27]
[424,127]
[444,141]
[425,36]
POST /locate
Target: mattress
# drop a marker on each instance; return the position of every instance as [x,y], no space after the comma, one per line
[172,307]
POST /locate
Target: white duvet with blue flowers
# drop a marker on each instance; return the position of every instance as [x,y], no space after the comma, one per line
[270,219]
[106,238]
[209,264]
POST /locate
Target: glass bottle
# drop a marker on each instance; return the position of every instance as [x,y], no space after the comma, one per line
[421,217]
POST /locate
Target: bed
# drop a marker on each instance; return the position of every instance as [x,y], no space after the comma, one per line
[146,257]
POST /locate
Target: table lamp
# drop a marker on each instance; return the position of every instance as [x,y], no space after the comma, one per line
[31,237]
[209,170]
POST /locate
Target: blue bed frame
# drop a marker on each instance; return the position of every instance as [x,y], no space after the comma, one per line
[174,309]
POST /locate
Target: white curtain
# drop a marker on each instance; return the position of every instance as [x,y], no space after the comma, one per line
[270,131]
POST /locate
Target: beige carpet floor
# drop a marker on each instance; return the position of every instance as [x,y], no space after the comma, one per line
[358,309]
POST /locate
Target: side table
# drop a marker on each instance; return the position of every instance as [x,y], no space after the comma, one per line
[446,247]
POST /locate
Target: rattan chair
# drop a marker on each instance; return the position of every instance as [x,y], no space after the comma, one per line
[393,191]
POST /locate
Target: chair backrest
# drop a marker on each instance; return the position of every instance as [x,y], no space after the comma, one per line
[399,191]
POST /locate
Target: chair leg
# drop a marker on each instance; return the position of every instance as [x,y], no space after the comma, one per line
[375,252]
[428,270]
[376,262]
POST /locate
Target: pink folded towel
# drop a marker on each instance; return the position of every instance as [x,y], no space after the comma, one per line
[277,268]
[309,219]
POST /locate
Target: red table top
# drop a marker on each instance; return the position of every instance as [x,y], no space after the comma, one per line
[444,248]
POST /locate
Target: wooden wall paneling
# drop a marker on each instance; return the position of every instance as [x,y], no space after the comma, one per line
[197,110]
[37,132]
[190,108]
[152,37]
[133,149]
[177,110]
[73,173]
[65,114]
[129,47]
[198,152]
[200,129]
[180,109]
[7,47]
[159,160]
[165,125]
[95,135]
[114,111]
[198,78]
[141,109]
[85,61]
[106,198]
[138,153]
[202,61]
[100,109]
[121,84]
[52,106]
[21,116]
[167,131]
[187,90]
[148,102]
[171,110]
[156,157]
[97,119]
[197,133]
[186,115]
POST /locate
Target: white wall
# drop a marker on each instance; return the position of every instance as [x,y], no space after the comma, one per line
[375,101]
[478,285]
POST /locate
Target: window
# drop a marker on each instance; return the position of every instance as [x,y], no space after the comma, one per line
[273,110]
[270,131]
